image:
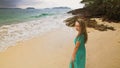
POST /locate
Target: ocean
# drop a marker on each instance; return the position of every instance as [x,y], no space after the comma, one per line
[21,24]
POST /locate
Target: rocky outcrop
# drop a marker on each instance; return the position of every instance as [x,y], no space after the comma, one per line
[90,23]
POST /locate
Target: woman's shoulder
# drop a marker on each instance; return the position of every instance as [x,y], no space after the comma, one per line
[82,35]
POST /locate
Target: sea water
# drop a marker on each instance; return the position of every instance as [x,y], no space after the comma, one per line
[21,24]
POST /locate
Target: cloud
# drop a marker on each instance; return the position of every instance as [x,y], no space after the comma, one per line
[40,3]
[17,3]
[9,3]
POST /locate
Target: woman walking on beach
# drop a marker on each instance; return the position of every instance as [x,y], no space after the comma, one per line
[78,59]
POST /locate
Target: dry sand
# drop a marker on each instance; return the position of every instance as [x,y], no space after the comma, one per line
[54,49]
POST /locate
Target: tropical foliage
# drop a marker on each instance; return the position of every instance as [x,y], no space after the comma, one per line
[108,9]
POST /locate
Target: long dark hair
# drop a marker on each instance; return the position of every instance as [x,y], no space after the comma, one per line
[83,29]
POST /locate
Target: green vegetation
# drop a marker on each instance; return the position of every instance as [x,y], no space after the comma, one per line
[107,9]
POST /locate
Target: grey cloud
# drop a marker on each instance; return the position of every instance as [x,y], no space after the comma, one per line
[15,3]
[9,3]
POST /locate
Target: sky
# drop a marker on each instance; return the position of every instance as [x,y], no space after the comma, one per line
[74,4]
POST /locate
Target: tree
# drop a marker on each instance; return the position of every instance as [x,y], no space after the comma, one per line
[109,9]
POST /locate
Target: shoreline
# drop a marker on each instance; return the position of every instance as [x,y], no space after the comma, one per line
[10,34]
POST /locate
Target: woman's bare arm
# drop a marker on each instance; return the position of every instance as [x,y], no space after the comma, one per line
[75,50]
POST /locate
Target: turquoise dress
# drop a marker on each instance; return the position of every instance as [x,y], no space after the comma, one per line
[80,58]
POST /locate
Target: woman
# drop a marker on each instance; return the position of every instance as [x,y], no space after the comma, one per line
[79,53]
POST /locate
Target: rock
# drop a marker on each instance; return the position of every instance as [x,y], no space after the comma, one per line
[90,23]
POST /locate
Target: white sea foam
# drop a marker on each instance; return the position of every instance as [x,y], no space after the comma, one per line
[10,34]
